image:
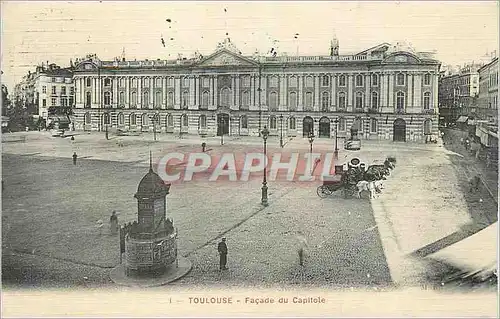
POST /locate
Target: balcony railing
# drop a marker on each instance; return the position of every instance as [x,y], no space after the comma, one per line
[428,111]
[400,111]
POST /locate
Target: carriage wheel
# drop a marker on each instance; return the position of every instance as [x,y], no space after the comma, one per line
[322,191]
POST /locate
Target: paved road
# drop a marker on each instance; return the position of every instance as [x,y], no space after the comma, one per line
[51,228]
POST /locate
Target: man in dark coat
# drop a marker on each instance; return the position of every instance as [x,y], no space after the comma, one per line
[74,158]
[222,248]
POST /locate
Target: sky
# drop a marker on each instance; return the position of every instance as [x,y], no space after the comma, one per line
[57,31]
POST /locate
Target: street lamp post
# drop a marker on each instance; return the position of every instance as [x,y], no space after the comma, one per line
[281,131]
[221,127]
[155,117]
[311,140]
[260,107]
[265,134]
[336,151]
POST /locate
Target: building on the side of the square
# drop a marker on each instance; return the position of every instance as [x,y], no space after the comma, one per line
[487,106]
[387,92]
[458,93]
[49,91]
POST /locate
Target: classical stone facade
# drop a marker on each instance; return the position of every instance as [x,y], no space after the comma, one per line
[487,108]
[387,92]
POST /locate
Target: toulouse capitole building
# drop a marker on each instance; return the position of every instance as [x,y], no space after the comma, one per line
[387,92]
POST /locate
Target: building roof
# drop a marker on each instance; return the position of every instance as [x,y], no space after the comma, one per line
[488,65]
[152,184]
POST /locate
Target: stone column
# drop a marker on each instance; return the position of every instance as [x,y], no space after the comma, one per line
[434,92]
[264,90]
[252,91]
[211,91]
[191,91]
[177,92]
[164,92]
[127,92]
[333,80]
[410,90]
[94,91]
[216,92]
[139,92]
[383,90]
[233,91]
[115,97]
[197,91]
[316,106]
[285,93]
[368,100]
[391,103]
[151,92]
[300,97]
[238,92]
[350,84]
[417,99]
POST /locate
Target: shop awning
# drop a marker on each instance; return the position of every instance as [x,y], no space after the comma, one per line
[474,254]
[462,119]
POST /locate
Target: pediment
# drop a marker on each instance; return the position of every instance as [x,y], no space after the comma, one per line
[226,58]
[402,57]
[86,65]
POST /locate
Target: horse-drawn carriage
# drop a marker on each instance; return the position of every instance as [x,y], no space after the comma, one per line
[347,180]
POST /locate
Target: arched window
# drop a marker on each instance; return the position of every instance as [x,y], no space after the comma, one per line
[133,100]
[225,97]
[245,99]
[309,81]
[309,101]
[342,124]
[342,81]
[121,119]
[145,119]
[122,82]
[427,126]
[132,119]
[145,99]
[158,82]
[400,101]
[374,100]
[185,99]
[292,81]
[244,122]
[185,120]
[87,118]
[88,82]
[272,122]
[292,101]
[107,98]
[121,98]
[203,121]
[273,101]
[325,101]
[291,123]
[342,100]
[359,100]
[374,79]
[205,98]
[358,124]
[400,79]
[325,80]
[373,125]
[107,118]
[170,100]
[88,100]
[158,99]
[134,82]
[359,80]
[427,100]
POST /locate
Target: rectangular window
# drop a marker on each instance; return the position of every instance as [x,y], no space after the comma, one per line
[326,80]
[342,81]
[53,101]
[375,80]
[88,82]
[71,90]
[44,102]
[244,122]
[53,89]
[400,79]
[44,89]
[427,79]
[70,101]
[63,90]
[359,80]
[373,126]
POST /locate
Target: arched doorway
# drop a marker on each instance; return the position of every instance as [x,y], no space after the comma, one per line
[307,126]
[399,134]
[222,124]
[324,127]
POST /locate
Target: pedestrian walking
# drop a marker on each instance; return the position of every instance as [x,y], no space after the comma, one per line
[302,247]
[222,248]
[113,223]
[474,184]
[74,158]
